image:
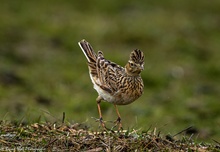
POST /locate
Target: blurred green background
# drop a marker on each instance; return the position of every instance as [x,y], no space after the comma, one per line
[43,72]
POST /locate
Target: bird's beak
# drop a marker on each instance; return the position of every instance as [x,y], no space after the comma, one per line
[142,67]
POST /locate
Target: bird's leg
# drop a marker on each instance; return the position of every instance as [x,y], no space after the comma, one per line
[118,120]
[98,100]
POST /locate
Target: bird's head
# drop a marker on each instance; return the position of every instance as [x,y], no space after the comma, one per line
[136,63]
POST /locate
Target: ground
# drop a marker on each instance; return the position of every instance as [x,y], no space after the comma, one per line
[75,137]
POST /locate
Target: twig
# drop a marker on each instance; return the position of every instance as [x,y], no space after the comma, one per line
[182,131]
[216,141]
[50,143]
[63,119]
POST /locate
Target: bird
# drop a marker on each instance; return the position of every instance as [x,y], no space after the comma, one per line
[114,84]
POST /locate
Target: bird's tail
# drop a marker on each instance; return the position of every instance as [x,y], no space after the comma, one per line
[88,51]
[90,55]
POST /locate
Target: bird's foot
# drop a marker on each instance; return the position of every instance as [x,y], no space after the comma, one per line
[118,123]
[101,123]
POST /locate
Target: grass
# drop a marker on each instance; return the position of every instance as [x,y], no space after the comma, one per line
[39,57]
[76,137]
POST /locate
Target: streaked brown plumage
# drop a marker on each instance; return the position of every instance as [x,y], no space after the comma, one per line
[114,84]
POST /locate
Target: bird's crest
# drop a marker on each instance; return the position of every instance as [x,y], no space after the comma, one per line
[137,56]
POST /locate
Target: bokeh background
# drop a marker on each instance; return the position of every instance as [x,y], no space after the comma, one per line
[43,72]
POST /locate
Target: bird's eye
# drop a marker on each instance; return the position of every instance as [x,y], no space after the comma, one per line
[132,64]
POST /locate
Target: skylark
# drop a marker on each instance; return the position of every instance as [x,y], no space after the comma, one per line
[114,84]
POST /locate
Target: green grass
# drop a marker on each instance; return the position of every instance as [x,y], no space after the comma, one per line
[43,72]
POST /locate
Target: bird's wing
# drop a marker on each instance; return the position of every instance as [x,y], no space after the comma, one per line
[109,73]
